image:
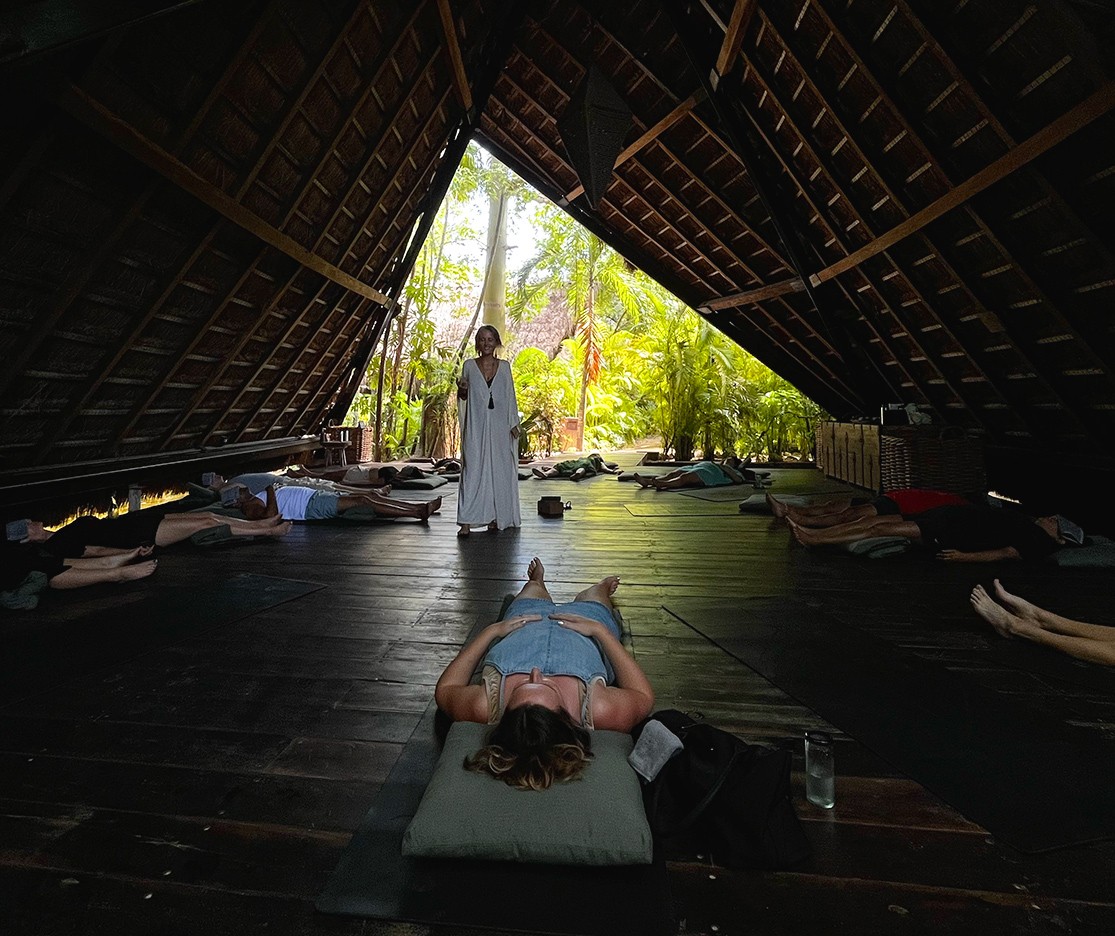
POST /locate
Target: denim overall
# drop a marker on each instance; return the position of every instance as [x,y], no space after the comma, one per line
[556,650]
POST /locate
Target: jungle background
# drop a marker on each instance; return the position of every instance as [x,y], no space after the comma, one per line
[603,357]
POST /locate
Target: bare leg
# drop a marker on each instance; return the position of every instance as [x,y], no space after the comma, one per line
[1095,646]
[996,615]
[682,479]
[79,578]
[861,529]
[535,585]
[850,515]
[836,506]
[111,561]
[176,527]
[601,592]
[389,508]
[1047,620]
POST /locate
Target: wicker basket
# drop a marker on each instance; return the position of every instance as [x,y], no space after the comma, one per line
[938,459]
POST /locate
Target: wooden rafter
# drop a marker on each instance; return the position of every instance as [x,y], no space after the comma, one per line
[101,120]
[894,196]
[759,294]
[1094,106]
[649,136]
[453,50]
[733,38]
[772,91]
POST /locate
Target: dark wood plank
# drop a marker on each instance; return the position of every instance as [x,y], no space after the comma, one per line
[240,760]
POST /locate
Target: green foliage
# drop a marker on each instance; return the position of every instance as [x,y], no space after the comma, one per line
[544,389]
[639,363]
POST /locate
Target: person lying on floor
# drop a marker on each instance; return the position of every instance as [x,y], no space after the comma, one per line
[958,533]
[577,469]
[1015,617]
[259,481]
[702,474]
[294,502]
[88,551]
[907,502]
[551,675]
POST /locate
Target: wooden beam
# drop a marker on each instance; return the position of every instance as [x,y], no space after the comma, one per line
[651,135]
[758,294]
[453,48]
[1091,108]
[733,38]
[96,117]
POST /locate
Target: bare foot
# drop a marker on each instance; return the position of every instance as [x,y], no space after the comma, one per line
[130,573]
[536,572]
[493,527]
[776,506]
[463,531]
[539,473]
[643,481]
[802,534]
[611,583]
[279,529]
[995,615]
[126,558]
[382,491]
[428,509]
[1018,606]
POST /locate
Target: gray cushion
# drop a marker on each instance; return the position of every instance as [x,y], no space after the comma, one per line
[596,820]
[877,547]
[1098,552]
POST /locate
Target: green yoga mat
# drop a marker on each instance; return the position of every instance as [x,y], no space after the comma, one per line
[57,643]
[1028,777]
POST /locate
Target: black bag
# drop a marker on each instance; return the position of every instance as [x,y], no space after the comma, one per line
[726,798]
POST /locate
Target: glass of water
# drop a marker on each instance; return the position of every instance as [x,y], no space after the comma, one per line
[820,778]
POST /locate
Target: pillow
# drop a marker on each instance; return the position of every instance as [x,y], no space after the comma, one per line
[596,820]
[877,547]
[1097,552]
[427,483]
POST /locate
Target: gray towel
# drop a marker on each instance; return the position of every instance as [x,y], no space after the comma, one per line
[656,745]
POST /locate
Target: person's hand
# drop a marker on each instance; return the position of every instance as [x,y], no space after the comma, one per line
[514,432]
[462,386]
[581,624]
[511,624]
[952,555]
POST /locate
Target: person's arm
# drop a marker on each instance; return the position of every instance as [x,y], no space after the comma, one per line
[986,555]
[731,472]
[622,706]
[454,693]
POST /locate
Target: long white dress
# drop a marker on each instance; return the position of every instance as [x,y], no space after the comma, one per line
[489,455]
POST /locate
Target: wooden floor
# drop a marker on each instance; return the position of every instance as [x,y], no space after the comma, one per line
[208,787]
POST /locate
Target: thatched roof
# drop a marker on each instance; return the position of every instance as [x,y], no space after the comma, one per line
[206,215]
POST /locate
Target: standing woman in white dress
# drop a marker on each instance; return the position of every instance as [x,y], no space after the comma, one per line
[489,418]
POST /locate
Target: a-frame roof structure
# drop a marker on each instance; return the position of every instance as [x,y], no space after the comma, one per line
[207,211]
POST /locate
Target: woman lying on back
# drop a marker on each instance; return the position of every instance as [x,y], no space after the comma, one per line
[551,674]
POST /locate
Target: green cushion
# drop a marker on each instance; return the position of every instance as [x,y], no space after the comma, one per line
[596,820]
